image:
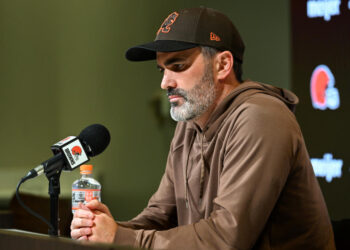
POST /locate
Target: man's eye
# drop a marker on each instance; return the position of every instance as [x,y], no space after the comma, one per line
[178,67]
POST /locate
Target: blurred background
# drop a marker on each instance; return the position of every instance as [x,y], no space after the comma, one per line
[62,68]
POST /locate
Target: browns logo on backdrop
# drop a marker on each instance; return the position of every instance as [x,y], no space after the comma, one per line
[323,92]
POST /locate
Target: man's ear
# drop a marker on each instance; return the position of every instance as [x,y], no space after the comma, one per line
[223,64]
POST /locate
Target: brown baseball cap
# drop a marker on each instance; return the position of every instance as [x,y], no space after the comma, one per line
[189,28]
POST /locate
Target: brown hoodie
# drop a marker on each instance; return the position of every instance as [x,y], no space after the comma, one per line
[245,181]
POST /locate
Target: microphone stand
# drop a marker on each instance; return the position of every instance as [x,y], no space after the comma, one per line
[54,192]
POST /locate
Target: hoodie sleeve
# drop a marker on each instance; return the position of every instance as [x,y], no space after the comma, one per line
[260,146]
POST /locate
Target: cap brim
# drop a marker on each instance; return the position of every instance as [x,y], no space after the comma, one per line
[148,51]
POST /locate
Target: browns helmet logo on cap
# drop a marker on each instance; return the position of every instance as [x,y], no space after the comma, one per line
[165,27]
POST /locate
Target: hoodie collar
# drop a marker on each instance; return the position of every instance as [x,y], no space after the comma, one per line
[236,97]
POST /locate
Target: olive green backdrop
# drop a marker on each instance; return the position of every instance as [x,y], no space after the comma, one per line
[62,68]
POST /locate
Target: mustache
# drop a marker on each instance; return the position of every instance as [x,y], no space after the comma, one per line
[179,92]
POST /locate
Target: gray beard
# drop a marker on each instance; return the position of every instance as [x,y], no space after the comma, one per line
[196,100]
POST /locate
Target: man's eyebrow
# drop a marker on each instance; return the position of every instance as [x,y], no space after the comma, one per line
[171,61]
[174,60]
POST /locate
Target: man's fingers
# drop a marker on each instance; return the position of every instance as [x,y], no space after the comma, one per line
[81,222]
[81,233]
[83,213]
[83,238]
[104,229]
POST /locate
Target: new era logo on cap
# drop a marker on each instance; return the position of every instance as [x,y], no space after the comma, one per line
[214,37]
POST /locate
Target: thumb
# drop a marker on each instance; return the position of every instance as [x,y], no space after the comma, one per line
[82,206]
[98,206]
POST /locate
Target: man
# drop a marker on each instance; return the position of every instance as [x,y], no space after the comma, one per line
[238,175]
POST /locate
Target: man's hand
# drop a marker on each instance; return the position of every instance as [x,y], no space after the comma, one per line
[93,222]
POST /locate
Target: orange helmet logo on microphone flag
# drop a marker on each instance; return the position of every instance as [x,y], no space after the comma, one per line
[76,152]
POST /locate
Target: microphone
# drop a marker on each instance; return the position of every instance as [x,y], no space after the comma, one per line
[71,152]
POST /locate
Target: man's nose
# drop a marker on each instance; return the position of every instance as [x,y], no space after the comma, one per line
[168,80]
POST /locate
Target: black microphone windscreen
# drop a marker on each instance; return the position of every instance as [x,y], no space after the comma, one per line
[96,137]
